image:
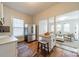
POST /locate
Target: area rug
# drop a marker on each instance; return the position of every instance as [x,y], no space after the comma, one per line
[24,50]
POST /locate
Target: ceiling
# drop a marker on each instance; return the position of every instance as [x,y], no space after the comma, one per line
[30,8]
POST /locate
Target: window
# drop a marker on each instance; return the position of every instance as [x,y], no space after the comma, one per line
[66,27]
[52,28]
[51,24]
[42,26]
[18,27]
[58,27]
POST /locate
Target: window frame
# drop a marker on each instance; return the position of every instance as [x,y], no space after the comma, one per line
[22,27]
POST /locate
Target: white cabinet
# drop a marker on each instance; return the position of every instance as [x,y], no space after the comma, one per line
[52,43]
[8,50]
[8,47]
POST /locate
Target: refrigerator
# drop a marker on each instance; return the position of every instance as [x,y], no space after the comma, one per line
[30,33]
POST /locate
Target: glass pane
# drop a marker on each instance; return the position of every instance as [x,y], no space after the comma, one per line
[18,27]
[66,27]
[52,28]
[18,31]
[58,27]
[42,26]
[18,23]
[51,24]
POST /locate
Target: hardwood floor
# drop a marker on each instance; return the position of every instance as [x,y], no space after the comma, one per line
[32,51]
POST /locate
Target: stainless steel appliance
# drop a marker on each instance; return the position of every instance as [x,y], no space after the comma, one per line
[30,33]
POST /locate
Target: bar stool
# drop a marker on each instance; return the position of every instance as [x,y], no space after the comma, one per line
[43,45]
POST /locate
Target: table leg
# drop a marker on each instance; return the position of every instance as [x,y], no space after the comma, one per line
[48,47]
[38,47]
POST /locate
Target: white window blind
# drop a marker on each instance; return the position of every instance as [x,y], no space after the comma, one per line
[42,26]
[18,27]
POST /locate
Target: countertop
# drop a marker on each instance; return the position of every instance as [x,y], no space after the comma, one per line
[7,39]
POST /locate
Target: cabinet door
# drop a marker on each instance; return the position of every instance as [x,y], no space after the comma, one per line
[8,50]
